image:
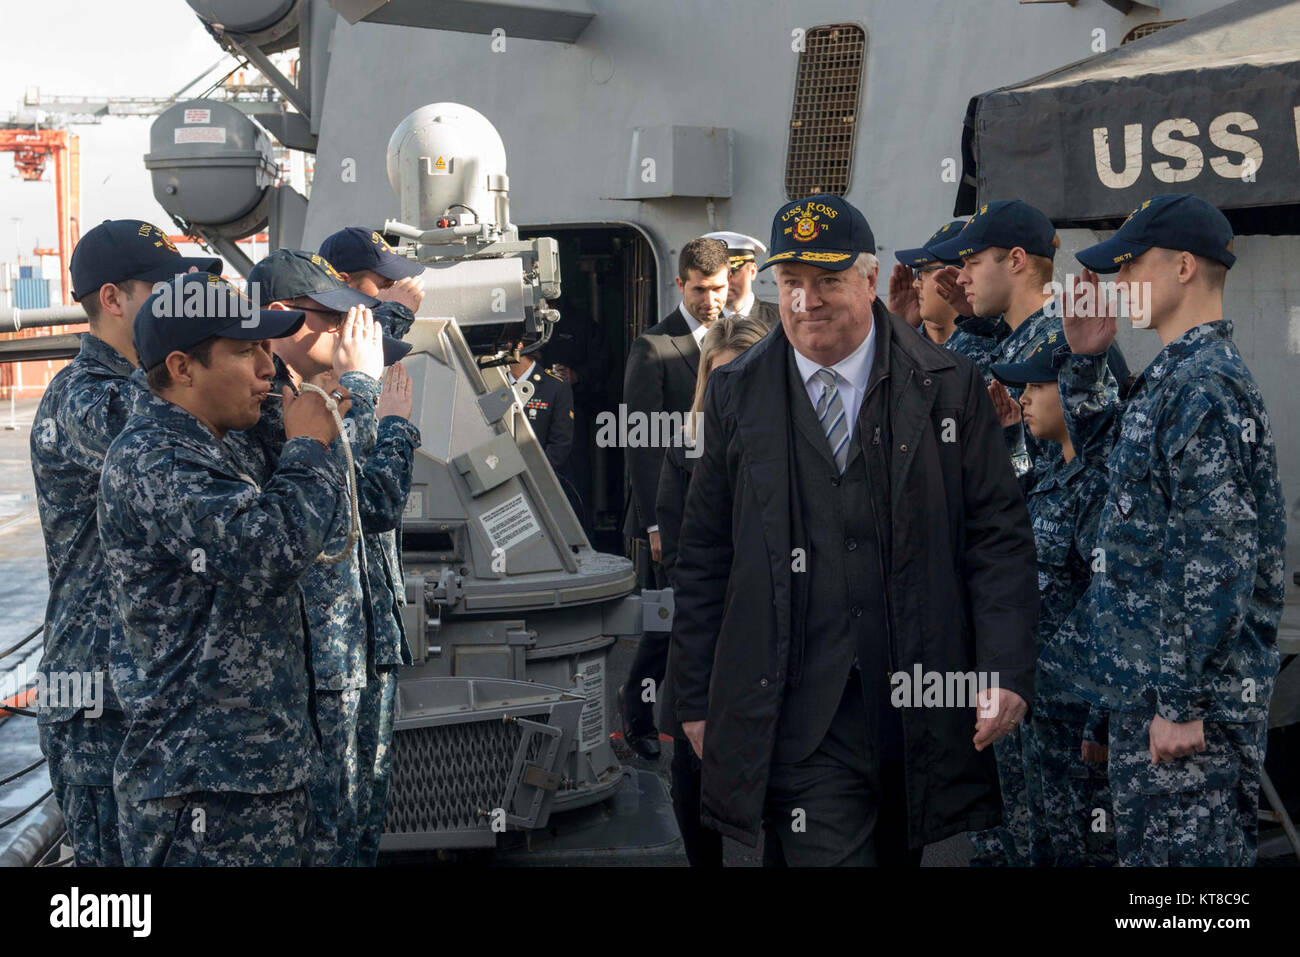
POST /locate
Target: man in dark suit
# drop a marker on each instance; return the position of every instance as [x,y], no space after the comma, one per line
[742,253]
[880,544]
[660,377]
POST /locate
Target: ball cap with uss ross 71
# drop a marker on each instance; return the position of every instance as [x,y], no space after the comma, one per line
[355,248]
[822,230]
[120,249]
[197,306]
[1178,221]
[1006,224]
[1041,365]
[292,273]
[921,255]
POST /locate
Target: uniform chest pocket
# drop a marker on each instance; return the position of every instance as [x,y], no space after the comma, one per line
[1053,532]
[1136,514]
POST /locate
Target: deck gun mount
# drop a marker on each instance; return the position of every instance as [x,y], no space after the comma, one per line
[510,614]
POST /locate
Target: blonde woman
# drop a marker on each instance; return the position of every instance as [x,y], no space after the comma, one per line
[726,339]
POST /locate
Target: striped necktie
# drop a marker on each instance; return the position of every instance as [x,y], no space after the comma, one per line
[830,413]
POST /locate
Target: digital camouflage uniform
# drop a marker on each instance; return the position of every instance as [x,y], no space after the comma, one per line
[1008,843]
[389,649]
[1070,814]
[978,339]
[208,649]
[83,409]
[381,516]
[340,611]
[1183,621]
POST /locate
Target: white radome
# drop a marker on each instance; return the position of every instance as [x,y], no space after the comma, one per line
[442,155]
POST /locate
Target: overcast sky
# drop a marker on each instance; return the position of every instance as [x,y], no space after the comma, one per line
[86,47]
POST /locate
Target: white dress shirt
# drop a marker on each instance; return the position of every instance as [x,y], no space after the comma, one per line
[698,329]
[742,308]
[851,374]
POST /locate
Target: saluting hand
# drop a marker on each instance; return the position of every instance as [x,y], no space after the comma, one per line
[395,399]
[409,291]
[1007,408]
[903,300]
[1093,323]
[945,281]
[361,344]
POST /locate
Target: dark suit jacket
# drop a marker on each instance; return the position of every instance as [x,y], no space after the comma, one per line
[767,312]
[669,506]
[660,377]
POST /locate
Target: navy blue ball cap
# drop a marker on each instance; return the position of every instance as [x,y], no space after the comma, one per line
[355,247]
[120,249]
[290,273]
[921,256]
[191,307]
[821,230]
[1006,224]
[1178,221]
[1041,365]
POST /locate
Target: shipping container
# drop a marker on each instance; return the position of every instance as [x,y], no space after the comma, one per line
[31,293]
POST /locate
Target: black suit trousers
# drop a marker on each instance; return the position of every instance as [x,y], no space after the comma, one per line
[842,805]
[703,845]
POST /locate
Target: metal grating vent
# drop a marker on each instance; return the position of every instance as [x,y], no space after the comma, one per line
[443,776]
[824,116]
[1146,29]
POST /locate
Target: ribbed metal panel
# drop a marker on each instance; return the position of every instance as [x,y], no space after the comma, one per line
[445,777]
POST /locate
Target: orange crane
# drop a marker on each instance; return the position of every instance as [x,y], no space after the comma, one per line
[31,149]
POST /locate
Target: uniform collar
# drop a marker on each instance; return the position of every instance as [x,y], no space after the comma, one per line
[1059,473]
[167,414]
[987,327]
[1191,341]
[97,350]
[742,308]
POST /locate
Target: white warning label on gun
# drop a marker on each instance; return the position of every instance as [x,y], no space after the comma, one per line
[510,522]
[591,723]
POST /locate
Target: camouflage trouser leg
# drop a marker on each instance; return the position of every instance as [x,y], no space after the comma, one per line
[80,753]
[374,740]
[218,829]
[1007,845]
[1197,811]
[334,791]
[1070,816]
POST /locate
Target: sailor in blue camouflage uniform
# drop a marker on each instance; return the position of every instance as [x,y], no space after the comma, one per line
[1178,635]
[1068,797]
[208,650]
[341,336]
[913,288]
[83,409]
[1006,251]
[369,265]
